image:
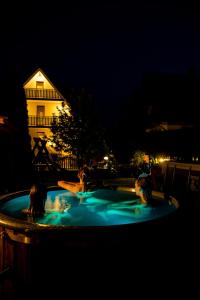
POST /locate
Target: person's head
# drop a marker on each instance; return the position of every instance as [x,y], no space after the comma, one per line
[38,195]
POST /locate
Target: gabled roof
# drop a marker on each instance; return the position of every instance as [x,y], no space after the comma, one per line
[43,73]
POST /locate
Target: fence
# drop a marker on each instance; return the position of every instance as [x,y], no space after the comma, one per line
[68,163]
[182,180]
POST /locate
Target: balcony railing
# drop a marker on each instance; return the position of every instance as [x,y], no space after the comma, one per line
[41,121]
[42,94]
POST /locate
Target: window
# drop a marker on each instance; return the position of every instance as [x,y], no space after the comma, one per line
[39,84]
[40,110]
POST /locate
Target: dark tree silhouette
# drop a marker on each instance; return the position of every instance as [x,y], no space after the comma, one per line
[169,98]
[16,142]
[78,130]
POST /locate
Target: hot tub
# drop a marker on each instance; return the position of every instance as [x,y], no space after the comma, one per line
[101,218]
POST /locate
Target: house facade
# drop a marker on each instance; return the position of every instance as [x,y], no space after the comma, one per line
[42,99]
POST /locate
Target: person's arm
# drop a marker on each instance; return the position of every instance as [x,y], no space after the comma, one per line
[31,205]
[137,188]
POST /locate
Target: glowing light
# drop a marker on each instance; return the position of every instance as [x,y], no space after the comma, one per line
[3,119]
[162,159]
[105,158]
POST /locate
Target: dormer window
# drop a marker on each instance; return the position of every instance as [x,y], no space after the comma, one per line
[39,84]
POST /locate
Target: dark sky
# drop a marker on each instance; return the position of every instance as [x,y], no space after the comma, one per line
[104,47]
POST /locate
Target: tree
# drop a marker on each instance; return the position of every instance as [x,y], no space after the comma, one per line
[138,158]
[77,130]
[15,143]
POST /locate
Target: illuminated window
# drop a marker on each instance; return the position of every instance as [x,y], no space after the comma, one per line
[39,84]
[40,110]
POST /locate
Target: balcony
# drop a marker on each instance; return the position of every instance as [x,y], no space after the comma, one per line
[34,121]
[42,94]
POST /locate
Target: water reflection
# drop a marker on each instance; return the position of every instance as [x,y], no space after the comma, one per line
[64,201]
[92,205]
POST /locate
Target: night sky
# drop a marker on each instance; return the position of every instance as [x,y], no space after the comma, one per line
[106,48]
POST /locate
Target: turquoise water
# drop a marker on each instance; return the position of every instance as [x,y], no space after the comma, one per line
[97,208]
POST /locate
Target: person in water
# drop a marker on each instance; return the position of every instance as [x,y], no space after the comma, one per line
[38,196]
[143,188]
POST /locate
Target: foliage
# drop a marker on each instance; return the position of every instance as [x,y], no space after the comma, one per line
[138,158]
[76,130]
